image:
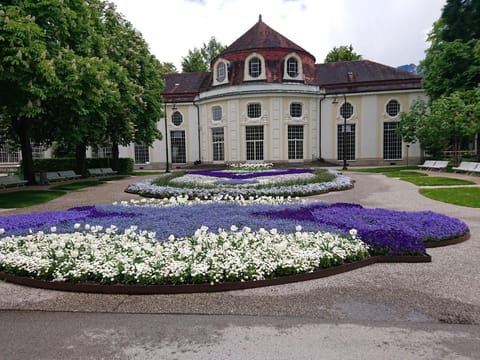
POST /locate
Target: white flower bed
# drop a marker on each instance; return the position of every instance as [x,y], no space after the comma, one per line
[146,188]
[139,258]
[250,166]
[184,200]
[202,180]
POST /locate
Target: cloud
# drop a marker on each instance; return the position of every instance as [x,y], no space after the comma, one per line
[390,32]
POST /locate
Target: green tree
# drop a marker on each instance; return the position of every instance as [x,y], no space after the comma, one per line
[407,128]
[460,20]
[27,78]
[451,66]
[450,120]
[342,53]
[199,60]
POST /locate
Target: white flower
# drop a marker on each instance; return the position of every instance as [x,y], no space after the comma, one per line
[2,231]
[234,228]
[76,226]
[353,232]
[53,229]
[298,228]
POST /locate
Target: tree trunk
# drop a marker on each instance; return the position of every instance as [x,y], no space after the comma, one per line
[115,156]
[23,128]
[80,157]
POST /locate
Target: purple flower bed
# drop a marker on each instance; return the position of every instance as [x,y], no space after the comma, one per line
[177,220]
[248,175]
[18,223]
[387,231]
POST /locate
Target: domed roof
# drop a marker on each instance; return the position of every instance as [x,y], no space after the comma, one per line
[261,36]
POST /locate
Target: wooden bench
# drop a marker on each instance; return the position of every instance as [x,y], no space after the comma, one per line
[11,180]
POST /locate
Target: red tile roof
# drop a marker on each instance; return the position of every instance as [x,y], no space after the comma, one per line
[335,78]
[261,36]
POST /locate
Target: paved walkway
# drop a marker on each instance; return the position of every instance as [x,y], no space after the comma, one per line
[447,290]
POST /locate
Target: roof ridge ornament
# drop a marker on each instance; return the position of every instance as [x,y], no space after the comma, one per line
[260,18]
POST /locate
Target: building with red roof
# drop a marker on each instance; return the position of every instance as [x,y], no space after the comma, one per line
[267,100]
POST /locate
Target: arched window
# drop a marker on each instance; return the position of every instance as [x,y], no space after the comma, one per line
[221,71]
[393,108]
[292,67]
[255,67]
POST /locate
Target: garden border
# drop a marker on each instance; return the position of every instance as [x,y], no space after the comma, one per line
[457,240]
[91,287]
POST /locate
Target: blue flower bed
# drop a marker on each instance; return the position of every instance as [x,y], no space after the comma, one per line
[386,231]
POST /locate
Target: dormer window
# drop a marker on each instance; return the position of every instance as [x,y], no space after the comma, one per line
[221,72]
[255,67]
[292,67]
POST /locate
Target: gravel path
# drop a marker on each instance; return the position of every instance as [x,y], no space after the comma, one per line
[445,290]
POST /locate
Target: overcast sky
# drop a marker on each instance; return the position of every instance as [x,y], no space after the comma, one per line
[391,32]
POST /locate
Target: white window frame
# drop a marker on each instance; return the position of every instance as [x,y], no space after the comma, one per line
[247,76]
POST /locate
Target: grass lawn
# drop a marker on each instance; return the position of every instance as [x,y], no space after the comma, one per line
[435,181]
[20,199]
[77,185]
[469,197]
[386,169]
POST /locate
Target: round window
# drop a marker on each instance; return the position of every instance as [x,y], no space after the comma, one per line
[177,118]
[346,110]
[393,108]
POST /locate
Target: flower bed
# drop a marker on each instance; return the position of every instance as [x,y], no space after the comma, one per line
[206,184]
[179,241]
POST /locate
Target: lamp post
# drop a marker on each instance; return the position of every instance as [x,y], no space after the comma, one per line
[167,170]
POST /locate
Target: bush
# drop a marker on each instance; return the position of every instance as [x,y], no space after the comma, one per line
[54,164]
[125,165]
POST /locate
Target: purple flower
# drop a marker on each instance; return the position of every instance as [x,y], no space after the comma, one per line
[248,175]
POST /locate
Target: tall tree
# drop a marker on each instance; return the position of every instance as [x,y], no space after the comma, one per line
[342,53]
[460,20]
[27,77]
[200,59]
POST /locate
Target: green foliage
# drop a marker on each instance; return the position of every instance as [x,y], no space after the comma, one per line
[199,60]
[75,72]
[460,20]
[408,120]
[125,166]
[451,66]
[194,62]
[342,53]
[55,164]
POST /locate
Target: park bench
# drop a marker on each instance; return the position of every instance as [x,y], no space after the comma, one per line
[11,180]
[69,174]
[468,167]
[434,165]
[108,171]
